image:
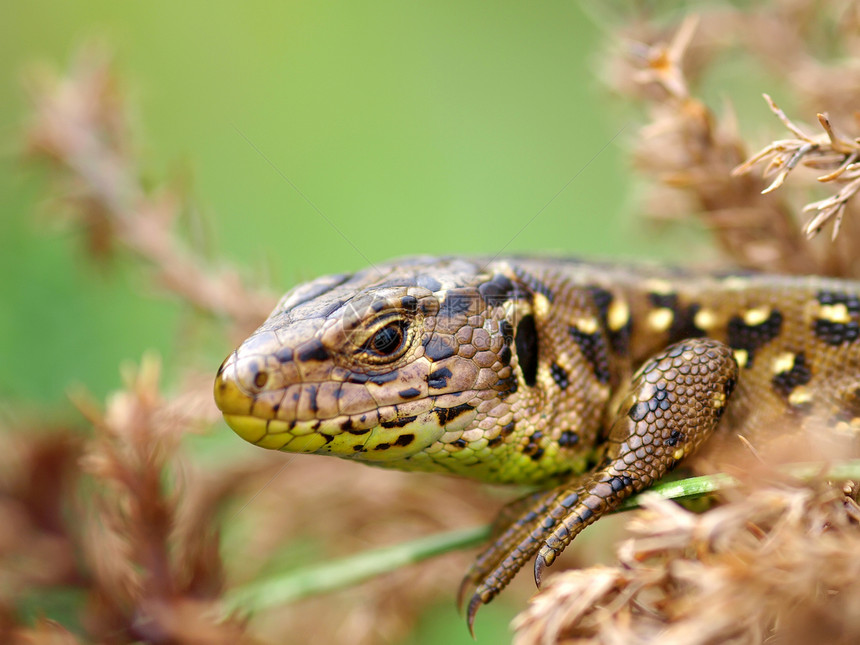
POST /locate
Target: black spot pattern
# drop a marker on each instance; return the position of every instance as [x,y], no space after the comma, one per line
[385,377]
[447,415]
[533,284]
[439,379]
[409,303]
[313,352]
[532,448]
[498,289]
[730,387]
[507,331]
[799,374]
[683,325]
[602,299]
[284,355]
[664,300]
[559,375]
[313,390]
[568,439]
[593,348]
[398,422]
[619,482]
[378,379]
[506,386]
[527,349]
[437,348]
[673,439]
[619,339]
[752,337]
[850,300]
[409,393]
[458,304]
[834,333]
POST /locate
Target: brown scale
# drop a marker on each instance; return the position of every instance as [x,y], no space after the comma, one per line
[522,371]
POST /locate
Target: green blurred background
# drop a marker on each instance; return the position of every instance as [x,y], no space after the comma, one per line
[414,127]
[438,128]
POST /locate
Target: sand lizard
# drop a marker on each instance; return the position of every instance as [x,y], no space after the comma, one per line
[588,380]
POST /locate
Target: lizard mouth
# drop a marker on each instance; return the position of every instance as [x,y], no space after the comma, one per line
[382,434]
[326,436]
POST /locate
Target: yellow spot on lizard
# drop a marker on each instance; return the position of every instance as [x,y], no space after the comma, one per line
[660,319]
[757,315]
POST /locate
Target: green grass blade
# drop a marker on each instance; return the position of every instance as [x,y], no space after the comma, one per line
[337,574]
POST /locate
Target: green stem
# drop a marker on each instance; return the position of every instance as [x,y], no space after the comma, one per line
[337,574]
[316,579]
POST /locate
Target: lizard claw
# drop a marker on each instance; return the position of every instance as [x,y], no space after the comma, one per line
[474,604]
[540,566]
[544,558]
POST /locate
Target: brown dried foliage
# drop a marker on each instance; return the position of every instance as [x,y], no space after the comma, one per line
[126,518]
[129,520]
[37,546]
[827,151]
[776,563]
[691,151]
[80,124]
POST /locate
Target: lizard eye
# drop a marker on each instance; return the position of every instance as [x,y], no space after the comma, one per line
[387,341]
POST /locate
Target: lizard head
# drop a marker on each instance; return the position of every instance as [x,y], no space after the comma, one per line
[419,364]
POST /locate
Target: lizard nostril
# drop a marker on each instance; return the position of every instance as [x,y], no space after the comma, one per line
[261,378]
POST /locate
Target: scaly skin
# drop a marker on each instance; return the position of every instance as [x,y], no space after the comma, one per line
[522,371]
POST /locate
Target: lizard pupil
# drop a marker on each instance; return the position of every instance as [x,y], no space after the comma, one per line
[387,340]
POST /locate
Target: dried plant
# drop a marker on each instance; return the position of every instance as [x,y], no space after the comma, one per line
[770,564]
[775,564]
[146,586]
[37,547]
[80,124]
[827,151]
[687,148]
[692,152]
[145,550]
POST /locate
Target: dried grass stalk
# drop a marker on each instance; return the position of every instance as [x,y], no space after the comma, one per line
[777,564]
[146,587]
[827,151]
[694,154]
[80,125]
[153,559]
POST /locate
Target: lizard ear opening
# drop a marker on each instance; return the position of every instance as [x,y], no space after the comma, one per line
[526,342]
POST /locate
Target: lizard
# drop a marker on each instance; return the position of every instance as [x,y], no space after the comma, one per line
[586,380]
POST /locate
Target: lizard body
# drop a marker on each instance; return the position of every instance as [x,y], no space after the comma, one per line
[589,380]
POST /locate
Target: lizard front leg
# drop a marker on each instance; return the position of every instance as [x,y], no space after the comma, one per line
[675,402]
